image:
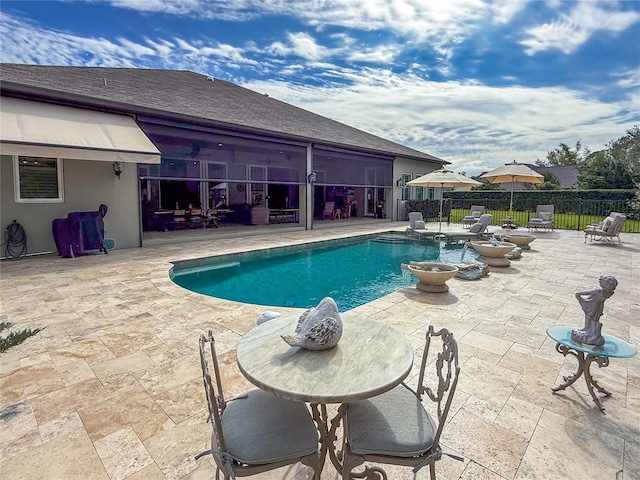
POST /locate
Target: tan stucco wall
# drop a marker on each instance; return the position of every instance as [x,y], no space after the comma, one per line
[87,184]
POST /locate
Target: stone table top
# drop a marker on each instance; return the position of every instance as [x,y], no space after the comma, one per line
[370,359]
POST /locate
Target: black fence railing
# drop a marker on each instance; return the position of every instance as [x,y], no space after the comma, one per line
[568,214]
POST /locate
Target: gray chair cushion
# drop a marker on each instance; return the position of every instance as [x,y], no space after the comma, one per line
[394,423]
[477,228]
[262,428]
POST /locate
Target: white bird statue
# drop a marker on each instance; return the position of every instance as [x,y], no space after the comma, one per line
[319,328]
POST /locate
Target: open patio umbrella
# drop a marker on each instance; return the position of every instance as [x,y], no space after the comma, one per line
[442,178]
[511,173]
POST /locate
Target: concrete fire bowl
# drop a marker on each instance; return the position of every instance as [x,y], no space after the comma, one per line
[493,254]
[522,240]
[432,276]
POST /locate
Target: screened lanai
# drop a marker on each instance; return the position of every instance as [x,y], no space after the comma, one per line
[255,180]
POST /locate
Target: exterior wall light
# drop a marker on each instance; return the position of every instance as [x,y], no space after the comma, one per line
[312,177]
[117,168]
[399,183]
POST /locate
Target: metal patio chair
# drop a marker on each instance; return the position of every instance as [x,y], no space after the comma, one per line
[542,219]
[257,431]
[395,428]
[607,230]
[474,215]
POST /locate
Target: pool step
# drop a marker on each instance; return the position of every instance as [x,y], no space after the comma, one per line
[205,268]
[393,239]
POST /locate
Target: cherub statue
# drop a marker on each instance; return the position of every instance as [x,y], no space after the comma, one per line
[592,303]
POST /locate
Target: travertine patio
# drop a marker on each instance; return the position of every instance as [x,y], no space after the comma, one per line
[111,388]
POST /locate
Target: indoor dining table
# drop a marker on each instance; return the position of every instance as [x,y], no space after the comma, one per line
[370,358]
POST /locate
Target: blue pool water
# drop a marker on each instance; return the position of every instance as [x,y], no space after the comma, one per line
[351,271]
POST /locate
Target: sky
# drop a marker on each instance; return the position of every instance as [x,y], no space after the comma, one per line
[478,83]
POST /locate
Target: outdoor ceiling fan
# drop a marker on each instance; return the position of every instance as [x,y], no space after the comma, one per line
[194,151]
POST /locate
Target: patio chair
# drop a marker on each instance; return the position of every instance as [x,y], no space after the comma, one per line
[179,219]
[474,215]
[395,428]
[195,219]
[416,222]
[212,219]
[329,210]
[477,231]
[607,230]
[543,218]
[255,432]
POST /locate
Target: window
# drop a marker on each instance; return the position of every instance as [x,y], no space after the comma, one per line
[418,192]
[406,190]
[38,180]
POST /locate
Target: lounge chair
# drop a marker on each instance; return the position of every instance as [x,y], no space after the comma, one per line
[543,218]
[607,230]
[474,215]
[477,231]
[416,222]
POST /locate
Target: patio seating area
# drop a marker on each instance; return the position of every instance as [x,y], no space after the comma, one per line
[112,387]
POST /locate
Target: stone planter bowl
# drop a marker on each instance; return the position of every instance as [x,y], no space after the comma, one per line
[522,240]
[432,276]
[493,255]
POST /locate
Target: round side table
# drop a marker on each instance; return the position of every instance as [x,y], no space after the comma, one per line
[613,347]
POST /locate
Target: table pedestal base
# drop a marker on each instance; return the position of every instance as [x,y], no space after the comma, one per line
[584,365]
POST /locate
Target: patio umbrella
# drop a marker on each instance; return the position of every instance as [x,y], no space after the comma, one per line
[442,178]
[513,172]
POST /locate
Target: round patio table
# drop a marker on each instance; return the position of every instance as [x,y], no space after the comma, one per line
[370,358]
[613,347]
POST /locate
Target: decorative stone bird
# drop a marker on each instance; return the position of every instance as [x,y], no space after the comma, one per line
[319,328]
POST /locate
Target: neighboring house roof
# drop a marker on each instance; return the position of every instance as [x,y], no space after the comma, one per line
[190,96]
[567,177]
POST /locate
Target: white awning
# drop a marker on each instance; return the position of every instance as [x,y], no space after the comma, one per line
[45,130]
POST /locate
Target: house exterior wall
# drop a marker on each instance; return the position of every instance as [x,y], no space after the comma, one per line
[87,184]
[415,167]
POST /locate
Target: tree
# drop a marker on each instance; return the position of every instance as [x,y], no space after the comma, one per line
[564,155]
[488,186]
[603,171]
[551,182]
[627,149]
[616,167]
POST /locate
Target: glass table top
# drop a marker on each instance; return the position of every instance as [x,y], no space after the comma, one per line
[613,347]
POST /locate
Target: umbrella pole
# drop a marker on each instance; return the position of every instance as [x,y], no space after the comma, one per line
[511,204]
[441,199]
[513,179]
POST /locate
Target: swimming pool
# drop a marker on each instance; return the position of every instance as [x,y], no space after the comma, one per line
[352,271]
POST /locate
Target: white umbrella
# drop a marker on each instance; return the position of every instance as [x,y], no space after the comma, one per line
[511,173]
[442,178]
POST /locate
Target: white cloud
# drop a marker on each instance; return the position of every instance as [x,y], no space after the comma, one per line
[301,45]
[475,127]
[505,10]
[23,42]
[571,31]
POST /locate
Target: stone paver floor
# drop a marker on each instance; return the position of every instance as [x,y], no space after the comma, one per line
[111,388]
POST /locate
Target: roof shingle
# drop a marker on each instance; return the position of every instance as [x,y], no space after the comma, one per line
[192,96]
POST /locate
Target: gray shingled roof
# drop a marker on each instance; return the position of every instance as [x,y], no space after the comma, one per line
[192,96]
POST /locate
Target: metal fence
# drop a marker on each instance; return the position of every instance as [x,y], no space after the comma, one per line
[568,214]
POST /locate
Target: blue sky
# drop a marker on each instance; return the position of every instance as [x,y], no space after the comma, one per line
[475,82]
